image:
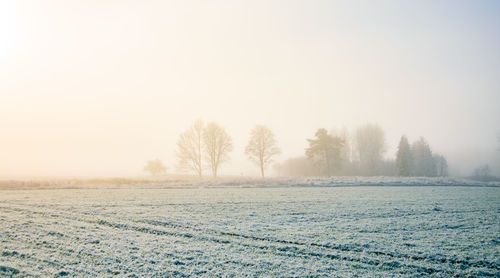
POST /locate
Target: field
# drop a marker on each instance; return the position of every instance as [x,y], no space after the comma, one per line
[258,231]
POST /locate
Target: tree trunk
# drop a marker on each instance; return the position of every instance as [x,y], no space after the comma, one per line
[262,165]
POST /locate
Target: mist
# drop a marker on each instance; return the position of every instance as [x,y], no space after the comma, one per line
[89,88]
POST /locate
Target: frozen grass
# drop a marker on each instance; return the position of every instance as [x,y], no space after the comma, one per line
[193,182]
[284,231]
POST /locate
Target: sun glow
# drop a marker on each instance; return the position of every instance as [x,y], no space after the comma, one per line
[9,29]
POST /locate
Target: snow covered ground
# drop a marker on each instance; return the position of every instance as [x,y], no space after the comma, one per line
[287,230]
[193,182]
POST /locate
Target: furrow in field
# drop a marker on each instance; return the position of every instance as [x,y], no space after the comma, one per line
[52,252]
[338,247]
[191,232]
[47,247]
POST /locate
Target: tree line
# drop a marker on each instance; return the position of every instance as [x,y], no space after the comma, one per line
[362,154]
[206,146]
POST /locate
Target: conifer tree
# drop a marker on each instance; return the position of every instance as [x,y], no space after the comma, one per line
[403,158]
[423,161]
[324,151]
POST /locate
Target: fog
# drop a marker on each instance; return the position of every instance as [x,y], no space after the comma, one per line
[97,88]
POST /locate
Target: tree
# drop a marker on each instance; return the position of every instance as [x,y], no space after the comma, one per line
[278,169]
[423,161]
[370,144]
[262,147]
[498,141]
[345,151]
[324,151]
[441,165]
[482,172]
[155,167]
[297,167]
[217,145]
[189,148]
[403,157]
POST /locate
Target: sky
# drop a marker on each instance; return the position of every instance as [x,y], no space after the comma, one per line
[97,88]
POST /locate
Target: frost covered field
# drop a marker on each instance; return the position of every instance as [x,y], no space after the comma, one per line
[283,231]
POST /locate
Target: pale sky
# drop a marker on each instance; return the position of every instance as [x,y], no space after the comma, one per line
[97,88]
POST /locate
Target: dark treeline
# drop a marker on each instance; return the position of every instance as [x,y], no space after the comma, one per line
[338,153]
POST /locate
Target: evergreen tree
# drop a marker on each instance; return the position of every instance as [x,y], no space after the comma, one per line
[324,151]
[423,161]
[403,158]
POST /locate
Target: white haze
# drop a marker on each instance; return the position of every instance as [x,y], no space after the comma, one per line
[97,88]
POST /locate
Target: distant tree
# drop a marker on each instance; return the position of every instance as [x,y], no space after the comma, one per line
[262,147]
[324,150]
[346,150]
[441,165]
[498,149]
[217,145]
[403,158]
[498,141]
[423,160]
[370,145]
[278,169]
[482,172]
[387,167]
[189,148]
[155,167]
[297,167]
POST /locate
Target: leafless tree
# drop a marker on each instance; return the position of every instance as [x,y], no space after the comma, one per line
[155,167]
[217,145]
[370,145]
[262,147]
[346,152]
[189,148]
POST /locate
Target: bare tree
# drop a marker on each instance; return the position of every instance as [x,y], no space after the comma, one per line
[155,167]
[370,145]
[346,151]
[189,148]
[261,147]
[217,145]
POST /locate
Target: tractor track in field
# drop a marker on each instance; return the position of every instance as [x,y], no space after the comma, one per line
[290,248]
